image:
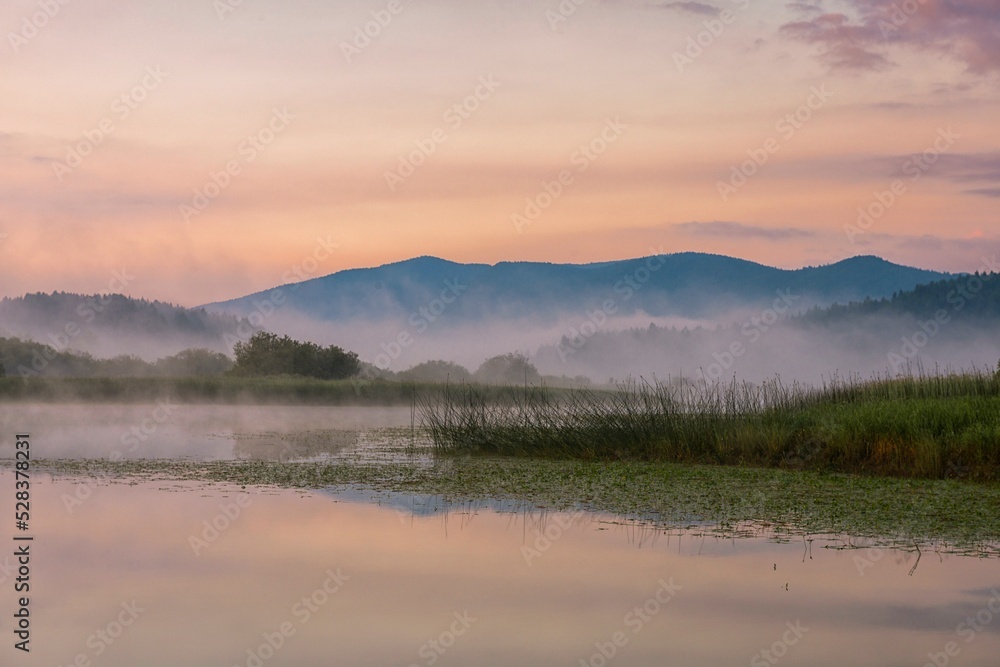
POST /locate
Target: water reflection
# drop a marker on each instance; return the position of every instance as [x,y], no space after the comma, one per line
[202,432]
[355,578]
[297,445]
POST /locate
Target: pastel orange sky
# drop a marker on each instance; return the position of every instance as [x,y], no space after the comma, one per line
[329,121]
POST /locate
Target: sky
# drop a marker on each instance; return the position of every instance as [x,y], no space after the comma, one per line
[198,150]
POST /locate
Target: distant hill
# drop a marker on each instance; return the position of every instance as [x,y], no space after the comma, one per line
[111,325]
[664,314]
[951,323]
[685,284]
[975,297]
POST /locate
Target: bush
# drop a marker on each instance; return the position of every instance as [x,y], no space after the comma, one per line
[510,368]
[194,362]
[268,354]
[436,371]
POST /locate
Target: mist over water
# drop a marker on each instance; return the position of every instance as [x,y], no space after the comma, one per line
[169,430]
[747,344]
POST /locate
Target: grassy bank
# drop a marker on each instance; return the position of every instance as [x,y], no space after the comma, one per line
[932,427]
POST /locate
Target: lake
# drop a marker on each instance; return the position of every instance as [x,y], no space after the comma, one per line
[160,572]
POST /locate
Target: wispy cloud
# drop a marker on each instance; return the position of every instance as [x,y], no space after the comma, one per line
[985,192]
[842,44]
[805,7]
[699,8]
[966,30]
[741,230]
[911,245]
[955,167]
[973,170]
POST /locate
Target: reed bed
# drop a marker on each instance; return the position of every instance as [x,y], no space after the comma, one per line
[917,426]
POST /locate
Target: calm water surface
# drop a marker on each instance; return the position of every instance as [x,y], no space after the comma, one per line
[137,574]
[203,432]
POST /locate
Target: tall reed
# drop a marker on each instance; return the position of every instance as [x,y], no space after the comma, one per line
[921,426]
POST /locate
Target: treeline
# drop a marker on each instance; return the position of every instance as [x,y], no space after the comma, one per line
[51,312]
[265,355]
[28,358]
[976,296]
[513,368]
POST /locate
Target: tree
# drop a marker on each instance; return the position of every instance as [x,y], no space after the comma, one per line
[436,371]
[194,362]
[510,368]
[268,354]
[264,354]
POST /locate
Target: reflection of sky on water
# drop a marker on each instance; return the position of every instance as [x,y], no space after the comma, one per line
[204,432]
[412,566]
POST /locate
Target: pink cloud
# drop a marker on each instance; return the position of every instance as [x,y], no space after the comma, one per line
[967,30]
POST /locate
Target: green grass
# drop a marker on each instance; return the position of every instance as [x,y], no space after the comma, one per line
[930,426]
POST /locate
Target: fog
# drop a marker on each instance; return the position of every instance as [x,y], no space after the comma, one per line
[744,343]
[791,350]
[109,325]
[748,343]
[199,432]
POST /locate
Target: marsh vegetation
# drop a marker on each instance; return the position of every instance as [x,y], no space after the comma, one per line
[917,426]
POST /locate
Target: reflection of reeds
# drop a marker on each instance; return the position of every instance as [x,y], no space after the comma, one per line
[917,426]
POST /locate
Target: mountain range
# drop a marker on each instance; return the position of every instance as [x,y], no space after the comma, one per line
[692,285]
[676,314]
